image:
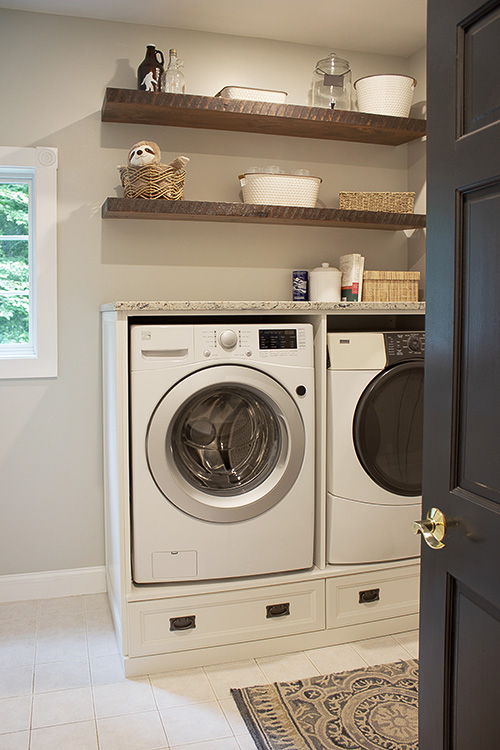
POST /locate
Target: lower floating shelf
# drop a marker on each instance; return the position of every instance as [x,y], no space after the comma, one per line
[140,208]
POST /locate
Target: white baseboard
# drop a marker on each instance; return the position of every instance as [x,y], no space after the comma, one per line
[53,583]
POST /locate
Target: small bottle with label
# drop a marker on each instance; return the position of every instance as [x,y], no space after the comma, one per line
[173,77]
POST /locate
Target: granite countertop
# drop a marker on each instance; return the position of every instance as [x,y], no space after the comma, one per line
[181,306]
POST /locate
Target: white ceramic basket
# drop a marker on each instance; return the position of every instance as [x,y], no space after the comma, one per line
[385,94]
[253,95]
[280,189]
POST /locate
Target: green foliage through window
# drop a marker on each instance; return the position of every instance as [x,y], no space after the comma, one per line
[14,263]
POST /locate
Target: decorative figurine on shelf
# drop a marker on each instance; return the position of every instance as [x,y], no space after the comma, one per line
[145,176]
[144,152]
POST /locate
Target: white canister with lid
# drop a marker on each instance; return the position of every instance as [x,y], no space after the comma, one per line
[324,284]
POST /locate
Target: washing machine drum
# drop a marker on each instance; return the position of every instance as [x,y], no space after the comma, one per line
[388,428]
[226,443]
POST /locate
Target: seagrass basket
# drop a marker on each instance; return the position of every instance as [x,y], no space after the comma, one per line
[403,203]
[152,181]
[390,286]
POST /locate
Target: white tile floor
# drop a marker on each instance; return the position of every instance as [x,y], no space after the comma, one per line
[62,685]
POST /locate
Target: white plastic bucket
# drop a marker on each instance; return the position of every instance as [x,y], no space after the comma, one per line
[385,94]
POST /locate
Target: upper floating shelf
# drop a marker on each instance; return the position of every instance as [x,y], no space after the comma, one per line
[216,113]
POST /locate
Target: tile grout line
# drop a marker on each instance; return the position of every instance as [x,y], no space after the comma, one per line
[96,730]
[35,650]
[158,711]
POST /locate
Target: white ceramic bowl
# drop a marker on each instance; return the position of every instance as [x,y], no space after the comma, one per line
[385,94]
[280,189]
[253,95]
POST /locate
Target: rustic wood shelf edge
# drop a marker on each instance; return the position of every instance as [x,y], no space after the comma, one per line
[216,113]
[139,208]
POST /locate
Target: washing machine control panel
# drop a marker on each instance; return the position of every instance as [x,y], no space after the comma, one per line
[279,343]
[404,346]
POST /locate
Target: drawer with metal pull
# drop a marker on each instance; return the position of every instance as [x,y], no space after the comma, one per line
[190,622]
[353,599]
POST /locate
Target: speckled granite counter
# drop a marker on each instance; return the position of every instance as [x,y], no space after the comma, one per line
[284,306]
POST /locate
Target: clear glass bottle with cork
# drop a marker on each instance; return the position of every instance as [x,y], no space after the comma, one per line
[173,77]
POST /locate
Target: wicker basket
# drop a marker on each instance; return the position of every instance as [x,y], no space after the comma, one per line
[403,203]
[280,189]
[390,286]
[152,181]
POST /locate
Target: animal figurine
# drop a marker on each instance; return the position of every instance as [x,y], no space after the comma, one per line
[144,152]
[148,152]
[179,162]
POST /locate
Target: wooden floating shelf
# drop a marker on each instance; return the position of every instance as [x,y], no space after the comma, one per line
[216,113]
[139,208]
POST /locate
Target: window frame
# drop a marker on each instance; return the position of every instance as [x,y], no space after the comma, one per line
[39,358]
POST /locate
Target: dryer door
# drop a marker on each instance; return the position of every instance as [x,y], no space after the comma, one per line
[388,427]
[226,443]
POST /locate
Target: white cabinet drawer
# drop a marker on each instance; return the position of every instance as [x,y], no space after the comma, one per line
[198,621]
[366,597]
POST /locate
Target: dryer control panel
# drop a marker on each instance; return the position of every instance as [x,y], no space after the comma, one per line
[402,346]
[282,343]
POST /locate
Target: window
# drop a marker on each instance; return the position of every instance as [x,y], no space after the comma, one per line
[28,262]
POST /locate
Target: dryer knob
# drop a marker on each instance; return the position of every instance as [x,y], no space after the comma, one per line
[228,339]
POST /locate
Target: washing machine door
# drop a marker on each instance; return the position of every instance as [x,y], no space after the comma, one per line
[226,443]
[388,428]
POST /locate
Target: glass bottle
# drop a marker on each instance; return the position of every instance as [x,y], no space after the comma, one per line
[150,70]
[331,85]
[173,77]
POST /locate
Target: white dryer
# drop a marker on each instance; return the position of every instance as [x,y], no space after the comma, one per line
[222,450]
[374,444]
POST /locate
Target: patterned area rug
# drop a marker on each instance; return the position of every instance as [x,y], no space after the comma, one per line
[367,709]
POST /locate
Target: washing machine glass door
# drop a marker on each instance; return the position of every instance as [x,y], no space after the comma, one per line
[388,428]
[226,443]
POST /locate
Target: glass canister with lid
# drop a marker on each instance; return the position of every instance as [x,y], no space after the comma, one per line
[332,83]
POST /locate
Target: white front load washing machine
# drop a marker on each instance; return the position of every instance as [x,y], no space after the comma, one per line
[222,450]
[374,445]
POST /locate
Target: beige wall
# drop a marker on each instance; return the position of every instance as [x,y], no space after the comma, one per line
[52,79]
[417,164]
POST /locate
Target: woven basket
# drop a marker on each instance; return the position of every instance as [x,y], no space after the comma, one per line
[390,286]
[152,181]
[280,189]
[402,203]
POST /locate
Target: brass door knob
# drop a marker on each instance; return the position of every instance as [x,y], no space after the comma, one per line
[432,529]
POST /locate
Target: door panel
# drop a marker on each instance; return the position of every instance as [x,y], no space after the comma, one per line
[476,666]
[478,406]
[479,55]
[460,594]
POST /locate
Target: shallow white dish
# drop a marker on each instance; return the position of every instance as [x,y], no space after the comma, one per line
[253,95]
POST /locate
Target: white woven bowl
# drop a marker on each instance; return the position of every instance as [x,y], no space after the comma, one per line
[253,95]
[385,94]
[280,189]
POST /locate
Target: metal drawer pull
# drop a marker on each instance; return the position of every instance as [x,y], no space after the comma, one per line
[370,595]
[278,610]
[183,623]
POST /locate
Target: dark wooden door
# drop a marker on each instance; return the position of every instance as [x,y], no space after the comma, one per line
[460,600]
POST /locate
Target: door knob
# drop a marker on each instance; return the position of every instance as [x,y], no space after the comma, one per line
[432,529]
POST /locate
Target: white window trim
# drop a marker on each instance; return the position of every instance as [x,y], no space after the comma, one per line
[43,363]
